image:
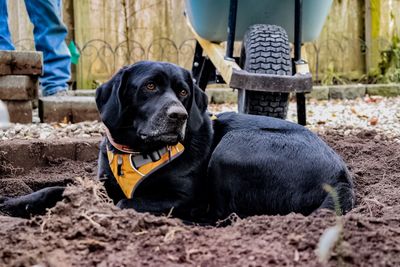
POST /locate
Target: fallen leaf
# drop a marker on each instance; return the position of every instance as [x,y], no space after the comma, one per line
[373,121]
[373,99]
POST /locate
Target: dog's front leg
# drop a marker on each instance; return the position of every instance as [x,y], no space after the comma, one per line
[32,204]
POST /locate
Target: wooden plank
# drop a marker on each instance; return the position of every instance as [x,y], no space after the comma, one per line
[21,63]
[372,34]
[20,25]
[98,35]
[216,54]
[18,87]
[338,51]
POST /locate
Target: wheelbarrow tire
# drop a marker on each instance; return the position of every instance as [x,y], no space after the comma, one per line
[266,50]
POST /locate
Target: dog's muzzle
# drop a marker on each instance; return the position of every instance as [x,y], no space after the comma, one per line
[168,125]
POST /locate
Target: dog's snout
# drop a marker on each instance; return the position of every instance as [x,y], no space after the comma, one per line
[177,113]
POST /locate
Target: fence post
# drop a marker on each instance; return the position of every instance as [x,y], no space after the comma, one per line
[372,33]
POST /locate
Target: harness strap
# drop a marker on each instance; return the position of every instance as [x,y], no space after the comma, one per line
[131,169]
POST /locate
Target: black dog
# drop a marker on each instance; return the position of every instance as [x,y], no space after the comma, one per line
[163,154]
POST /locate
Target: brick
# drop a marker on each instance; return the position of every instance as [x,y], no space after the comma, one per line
[21,63]
[15,87]
[346,91]
[388,90]
[52,152]
[20,111]
[20,156]
[88,151]
[68,109]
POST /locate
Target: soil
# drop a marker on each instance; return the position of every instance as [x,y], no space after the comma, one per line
[87,230]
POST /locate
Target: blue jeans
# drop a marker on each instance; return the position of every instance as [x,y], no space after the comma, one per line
[49,34]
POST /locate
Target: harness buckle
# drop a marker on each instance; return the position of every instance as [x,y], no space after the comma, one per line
[169,153]
[119,167]
[155,156]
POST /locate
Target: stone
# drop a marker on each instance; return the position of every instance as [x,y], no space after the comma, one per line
[221,95]
[20,111]
[67,109]
[82,92]
[18,87]
[388,90]
[319,93]
[351,91]
[21,63]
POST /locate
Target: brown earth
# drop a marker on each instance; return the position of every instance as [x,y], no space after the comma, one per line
[86,230]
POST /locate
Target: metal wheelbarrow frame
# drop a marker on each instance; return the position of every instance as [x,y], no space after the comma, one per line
[216,58]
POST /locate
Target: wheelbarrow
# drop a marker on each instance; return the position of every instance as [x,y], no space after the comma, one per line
[266,71]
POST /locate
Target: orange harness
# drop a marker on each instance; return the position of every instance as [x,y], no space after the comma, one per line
[130,169]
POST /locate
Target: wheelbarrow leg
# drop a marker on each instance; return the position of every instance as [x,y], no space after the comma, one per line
[231,29]
[300,97]
[206,71]
[202,68]
[197,62]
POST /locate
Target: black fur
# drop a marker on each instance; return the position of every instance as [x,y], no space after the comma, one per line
[239,163]
[263,165]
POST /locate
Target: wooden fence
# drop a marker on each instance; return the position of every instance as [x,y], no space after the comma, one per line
[110,34]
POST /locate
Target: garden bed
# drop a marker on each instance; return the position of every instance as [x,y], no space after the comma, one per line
[86,229]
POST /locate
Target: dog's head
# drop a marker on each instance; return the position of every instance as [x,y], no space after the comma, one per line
[148,105]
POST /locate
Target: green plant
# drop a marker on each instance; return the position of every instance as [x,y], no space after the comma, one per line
[389,66]
[331,76]
[95,84]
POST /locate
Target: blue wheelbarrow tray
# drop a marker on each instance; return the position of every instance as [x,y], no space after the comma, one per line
[209,18]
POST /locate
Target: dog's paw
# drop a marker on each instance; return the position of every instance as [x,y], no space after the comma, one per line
[32,204]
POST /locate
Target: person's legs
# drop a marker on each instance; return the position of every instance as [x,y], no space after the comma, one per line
[5,36]
[49,34]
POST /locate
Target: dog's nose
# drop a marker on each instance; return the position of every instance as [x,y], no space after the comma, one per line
[177,113]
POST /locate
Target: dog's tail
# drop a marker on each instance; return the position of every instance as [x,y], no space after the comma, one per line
[345,194]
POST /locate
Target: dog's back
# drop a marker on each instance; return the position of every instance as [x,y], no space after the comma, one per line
[262,165]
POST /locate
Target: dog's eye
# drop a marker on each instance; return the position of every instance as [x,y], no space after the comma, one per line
[183,92]
[150,86]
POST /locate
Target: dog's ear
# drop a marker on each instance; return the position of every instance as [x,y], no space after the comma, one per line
[198,108]
[109,97]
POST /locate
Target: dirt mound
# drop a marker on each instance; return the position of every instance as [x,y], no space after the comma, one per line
[86,229]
